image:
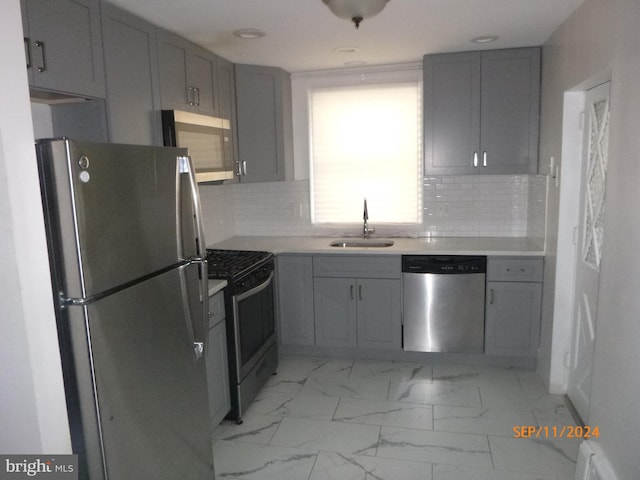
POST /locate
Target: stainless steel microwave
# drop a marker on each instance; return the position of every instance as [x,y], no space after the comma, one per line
[207,138]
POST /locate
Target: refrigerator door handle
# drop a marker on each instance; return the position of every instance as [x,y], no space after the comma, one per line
[185,166]
[196,311]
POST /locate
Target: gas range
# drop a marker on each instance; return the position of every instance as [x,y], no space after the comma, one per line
[250,321]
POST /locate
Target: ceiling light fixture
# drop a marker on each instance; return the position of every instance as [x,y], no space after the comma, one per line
[485,39]
[355,10]
[249,33]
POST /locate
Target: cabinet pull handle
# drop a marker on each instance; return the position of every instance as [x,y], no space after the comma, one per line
[239,169]
[475,159]
[42,47]
[351,291]
[197,99]
[491,296]
[484,159]
[190,95]
[360,292]
[27,51]
[244,167]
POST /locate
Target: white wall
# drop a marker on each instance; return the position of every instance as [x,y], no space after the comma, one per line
[600,39]
[33,414]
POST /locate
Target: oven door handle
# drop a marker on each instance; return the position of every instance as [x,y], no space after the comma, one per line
[255,290]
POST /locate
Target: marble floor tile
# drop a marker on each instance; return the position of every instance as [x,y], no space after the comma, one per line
[557,421]
[338,466]
[456,472]
[435,394]
[396,371]
[330,436]
[346,387]
[483,421]
[475,375]
[535,456]
[254,429]
[285,383]
[287,405]
[308,366]
[499,396]
[261,462]
[380,412]
[428,446]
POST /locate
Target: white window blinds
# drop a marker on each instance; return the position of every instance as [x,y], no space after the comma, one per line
[366,143]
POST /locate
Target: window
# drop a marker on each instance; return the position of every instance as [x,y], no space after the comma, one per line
[365,142]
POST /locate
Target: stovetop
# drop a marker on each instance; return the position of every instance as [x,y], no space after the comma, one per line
[233,264]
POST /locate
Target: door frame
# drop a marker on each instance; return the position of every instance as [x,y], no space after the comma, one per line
[567,176]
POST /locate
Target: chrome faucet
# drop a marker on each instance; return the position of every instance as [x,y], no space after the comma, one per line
[366,230]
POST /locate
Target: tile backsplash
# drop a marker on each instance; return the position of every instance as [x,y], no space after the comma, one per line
[477,206]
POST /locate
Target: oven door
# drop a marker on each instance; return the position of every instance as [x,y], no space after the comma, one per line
[255,325]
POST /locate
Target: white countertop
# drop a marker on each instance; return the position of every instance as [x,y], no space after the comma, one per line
[216,285]
[495,246]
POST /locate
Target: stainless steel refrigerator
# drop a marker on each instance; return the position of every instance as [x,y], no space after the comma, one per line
[127,261]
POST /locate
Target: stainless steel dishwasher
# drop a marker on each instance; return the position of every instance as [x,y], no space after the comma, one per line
[443,303]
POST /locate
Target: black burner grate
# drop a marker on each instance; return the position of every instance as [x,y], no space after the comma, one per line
[232,264]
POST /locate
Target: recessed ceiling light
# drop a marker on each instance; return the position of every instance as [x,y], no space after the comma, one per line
[485,39]
[249,33]
[346,49]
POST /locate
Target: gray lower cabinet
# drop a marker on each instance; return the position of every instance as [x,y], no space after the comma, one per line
[363,311]
[481,112]
[335,312]
[264,123]
[513,306]
[187,75]
[63,46]
[295,300]
[216,361]
[133,94]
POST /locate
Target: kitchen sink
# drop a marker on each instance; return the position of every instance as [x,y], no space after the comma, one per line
[362,243]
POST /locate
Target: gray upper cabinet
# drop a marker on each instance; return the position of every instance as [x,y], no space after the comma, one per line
[133,93]
[481,112]
[264,125]
[187,75]
[63,43]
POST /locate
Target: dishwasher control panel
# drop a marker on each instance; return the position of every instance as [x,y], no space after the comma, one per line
[443,264]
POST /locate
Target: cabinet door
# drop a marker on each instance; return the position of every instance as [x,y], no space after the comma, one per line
[261,103]
[335,312]
[512,318]
[172,62]
[226,92]
[379,314]
[201,75]
[295,300]
[510,110]
[451,113]
[132,78]
[65,42]
[217,373]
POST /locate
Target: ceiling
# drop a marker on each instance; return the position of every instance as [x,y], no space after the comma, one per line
[302,35]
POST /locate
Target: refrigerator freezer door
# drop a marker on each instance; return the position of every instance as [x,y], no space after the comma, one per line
[151,389]
[114,212]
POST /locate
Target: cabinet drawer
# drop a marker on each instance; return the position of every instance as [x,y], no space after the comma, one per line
[359,266]
[516,269]
[216,309]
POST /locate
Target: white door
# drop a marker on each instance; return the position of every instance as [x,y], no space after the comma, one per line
[589,248]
